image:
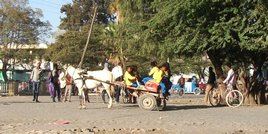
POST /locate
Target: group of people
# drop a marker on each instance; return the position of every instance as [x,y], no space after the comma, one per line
[132,79]
[160,75]
[56,78]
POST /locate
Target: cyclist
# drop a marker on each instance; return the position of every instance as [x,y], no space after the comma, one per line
[230,80]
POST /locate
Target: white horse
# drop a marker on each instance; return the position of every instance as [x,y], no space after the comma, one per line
[91,80]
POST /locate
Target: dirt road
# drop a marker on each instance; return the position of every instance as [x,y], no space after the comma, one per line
[21,115]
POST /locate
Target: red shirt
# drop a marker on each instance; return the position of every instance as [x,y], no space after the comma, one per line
[68,80]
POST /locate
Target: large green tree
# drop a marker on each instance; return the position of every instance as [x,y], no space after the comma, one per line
[19,25]
[227,30]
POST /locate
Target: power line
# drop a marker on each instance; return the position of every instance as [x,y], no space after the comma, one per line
[50,8]
[53,2]
[47,4]
[47,10]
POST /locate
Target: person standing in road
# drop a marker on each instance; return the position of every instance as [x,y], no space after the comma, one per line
[68,88]
[210,83]
[117,72]
[50,84]
[55,81]
[35,79]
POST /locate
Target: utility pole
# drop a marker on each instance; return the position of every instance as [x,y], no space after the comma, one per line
[89,34]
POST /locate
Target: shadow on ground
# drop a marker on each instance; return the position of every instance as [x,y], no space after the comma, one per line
[188,107]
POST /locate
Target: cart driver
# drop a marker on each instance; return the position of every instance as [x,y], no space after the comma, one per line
[129,79]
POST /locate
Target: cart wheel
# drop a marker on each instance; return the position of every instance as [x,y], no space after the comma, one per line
[234,98]
[197,91]
[214,97]
[161,104]
[104,96]
[147,102]
[181,92]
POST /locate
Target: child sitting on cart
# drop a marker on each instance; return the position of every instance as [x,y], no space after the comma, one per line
[152,72]
[158,75]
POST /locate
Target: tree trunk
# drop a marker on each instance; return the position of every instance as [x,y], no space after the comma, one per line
[249,99]
[257,87]
[121,57]
[243,86]
[216,62]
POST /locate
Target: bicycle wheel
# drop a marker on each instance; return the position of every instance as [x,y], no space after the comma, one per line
[197,91]
[181,92]
[214,97]
[234,98]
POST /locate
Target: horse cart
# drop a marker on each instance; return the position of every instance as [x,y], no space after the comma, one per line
[148,95]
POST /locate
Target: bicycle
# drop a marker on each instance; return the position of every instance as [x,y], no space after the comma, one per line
[177,89]
[233,98]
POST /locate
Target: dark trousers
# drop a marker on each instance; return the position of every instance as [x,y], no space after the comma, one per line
[117,93]
[118,89]
[36,86]
[56,91]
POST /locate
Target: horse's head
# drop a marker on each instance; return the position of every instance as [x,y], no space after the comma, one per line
[74,72]
[80,71]
[70,70]
[65,66]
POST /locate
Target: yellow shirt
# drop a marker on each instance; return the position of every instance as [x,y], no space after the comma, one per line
[158,76]
[128,78]
[153,71]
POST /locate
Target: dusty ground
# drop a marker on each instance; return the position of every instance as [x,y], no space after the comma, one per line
[189,115]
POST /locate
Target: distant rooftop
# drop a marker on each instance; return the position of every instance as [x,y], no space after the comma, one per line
[24,46]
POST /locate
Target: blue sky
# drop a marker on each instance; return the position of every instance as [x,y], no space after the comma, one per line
[51,10]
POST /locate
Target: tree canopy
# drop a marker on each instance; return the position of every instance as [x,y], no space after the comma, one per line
[225,29]
[19,25]
[68,47]
[139,31]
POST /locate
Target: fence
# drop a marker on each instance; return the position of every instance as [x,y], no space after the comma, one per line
[3,88]
[11,88]
[18,83]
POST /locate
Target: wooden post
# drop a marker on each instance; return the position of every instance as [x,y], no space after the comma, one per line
[89,34]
